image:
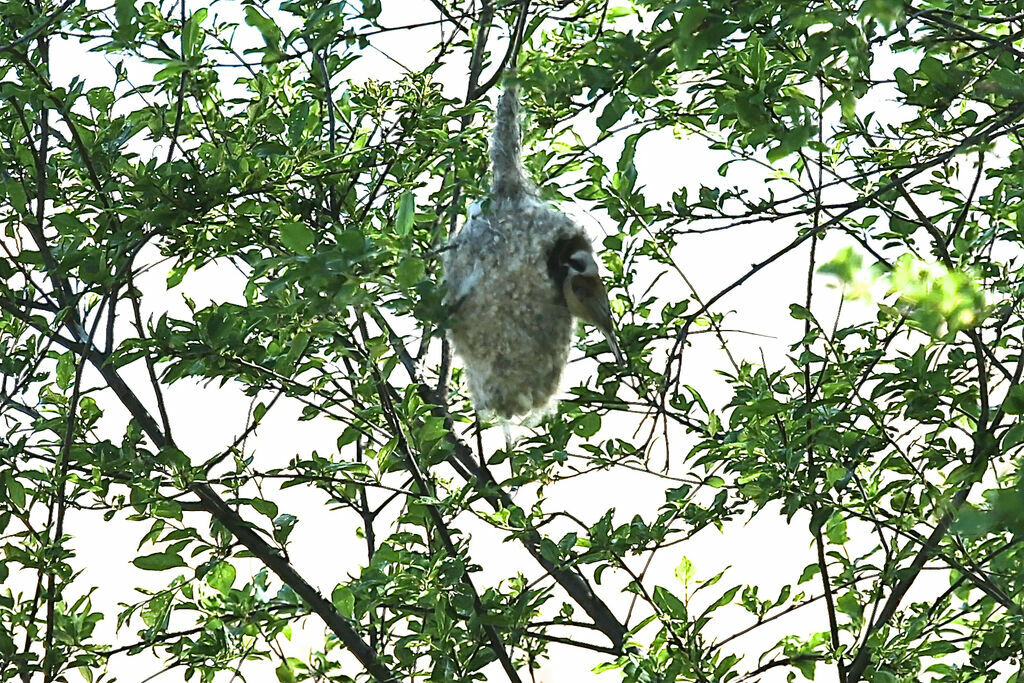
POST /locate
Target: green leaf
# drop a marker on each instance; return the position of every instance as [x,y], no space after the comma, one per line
[806,666]
[67,222]
[714,425]
[941,300]
[689,46]
[406,213]
[297,237]
[93,267]
[351,241]
[798,312]
[845,265]
[177,274]
[286,673]
[127,17]
[973,522]
[168,509]
[885,11]
[15,490]
[410,271]
[65,370]
[1014,437]
[265,25]
[101,99]
[1013,404]
[16,196]
[191,33]
[159,561]
[264,507]
[669,603]
[847,105]
[371,9]
[834,473]
[835,529]
[809,572]
[283,525]
[587,425]
[613,111]
[849,603]
[778,152]
[902,226]
[221,576]
[344,601]
[685,571]
[297,121]
[270,148]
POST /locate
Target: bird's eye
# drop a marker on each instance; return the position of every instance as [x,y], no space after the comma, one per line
[578,264]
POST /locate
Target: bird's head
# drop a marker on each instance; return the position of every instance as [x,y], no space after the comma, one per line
[581,263]
[570,256]
[573,271]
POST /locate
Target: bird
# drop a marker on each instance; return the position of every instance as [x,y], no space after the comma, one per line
[573,270]
[519,273]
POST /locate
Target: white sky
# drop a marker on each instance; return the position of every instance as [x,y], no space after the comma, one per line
[764,551]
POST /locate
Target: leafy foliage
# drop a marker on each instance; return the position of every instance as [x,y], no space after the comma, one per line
[259,141]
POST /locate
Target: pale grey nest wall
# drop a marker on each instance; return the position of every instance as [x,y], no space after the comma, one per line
[510,323]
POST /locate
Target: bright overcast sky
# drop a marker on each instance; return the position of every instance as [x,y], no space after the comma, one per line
[764,551]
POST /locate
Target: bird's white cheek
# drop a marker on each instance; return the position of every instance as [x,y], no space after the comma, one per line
[577,308]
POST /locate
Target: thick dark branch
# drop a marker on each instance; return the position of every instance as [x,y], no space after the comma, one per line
[497,646]
[571,582]
[464,462]
[909,574]
[511,54]
[983,446]
[247,536]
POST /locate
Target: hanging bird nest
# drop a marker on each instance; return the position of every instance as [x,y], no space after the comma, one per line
[511,324]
